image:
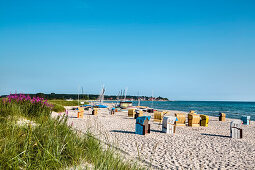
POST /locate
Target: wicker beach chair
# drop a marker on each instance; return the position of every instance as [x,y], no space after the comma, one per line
[80,112]
[158,116]
[142,125]
[131,113]
[95,111]
[139,113]
[168,125]
[193,120]
[181,119]
[222,117]
[246,120]
[235,129]
[204,120]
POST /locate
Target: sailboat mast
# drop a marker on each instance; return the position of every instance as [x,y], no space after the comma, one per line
[125,94]
[152,100]
[138,100]
[82,93]
[78,97]
[101,96]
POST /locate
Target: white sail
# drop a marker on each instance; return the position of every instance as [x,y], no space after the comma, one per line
[101,96]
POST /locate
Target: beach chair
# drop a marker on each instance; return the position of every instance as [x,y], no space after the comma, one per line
[131,113]
[204,120]
[150,110]
[246,120]
[222,117]
[235,129]
[181,119]
[142,125]
[95,111]
[193,120]
[112,111]
[139,113]
[80,112]
[168,125]
[158,116]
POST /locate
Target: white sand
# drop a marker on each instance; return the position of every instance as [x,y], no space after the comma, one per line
[189,148]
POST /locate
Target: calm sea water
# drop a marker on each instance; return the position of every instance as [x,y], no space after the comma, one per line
[211,108]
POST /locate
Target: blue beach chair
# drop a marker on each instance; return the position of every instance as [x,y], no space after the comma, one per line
[246,119]
[142,125]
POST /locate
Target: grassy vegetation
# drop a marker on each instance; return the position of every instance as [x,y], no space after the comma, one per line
[65,103]
[58,108]
[48,143]
[59,104]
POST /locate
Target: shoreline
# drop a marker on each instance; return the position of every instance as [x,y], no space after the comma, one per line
[232,111]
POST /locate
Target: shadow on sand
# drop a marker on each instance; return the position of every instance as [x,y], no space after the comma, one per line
[158,131]
[74,117]
[129,118]
[215,135]
[216,120]
[122,131]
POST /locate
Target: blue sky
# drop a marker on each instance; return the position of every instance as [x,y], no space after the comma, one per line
[183,50]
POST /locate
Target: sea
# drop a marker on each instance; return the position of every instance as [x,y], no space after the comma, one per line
[212,108]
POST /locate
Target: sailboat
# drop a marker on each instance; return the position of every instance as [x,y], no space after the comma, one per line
[101,99]
[101,96]
[124,104]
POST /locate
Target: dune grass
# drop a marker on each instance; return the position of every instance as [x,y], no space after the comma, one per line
[59,104]
[65,102]
[48,143]
[58,108]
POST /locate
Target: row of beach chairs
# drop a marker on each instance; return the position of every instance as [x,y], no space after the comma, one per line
[169,123]
[169,126]
[193,119]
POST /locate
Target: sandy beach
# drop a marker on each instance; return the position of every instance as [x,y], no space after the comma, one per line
[189,148]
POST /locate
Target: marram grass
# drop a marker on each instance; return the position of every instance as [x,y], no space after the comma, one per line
[58,108]
[49,143]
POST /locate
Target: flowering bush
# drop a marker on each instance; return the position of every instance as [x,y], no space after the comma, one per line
[21,98]
[26,105]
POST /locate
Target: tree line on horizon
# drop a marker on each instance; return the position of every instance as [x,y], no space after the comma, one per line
[54,96]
